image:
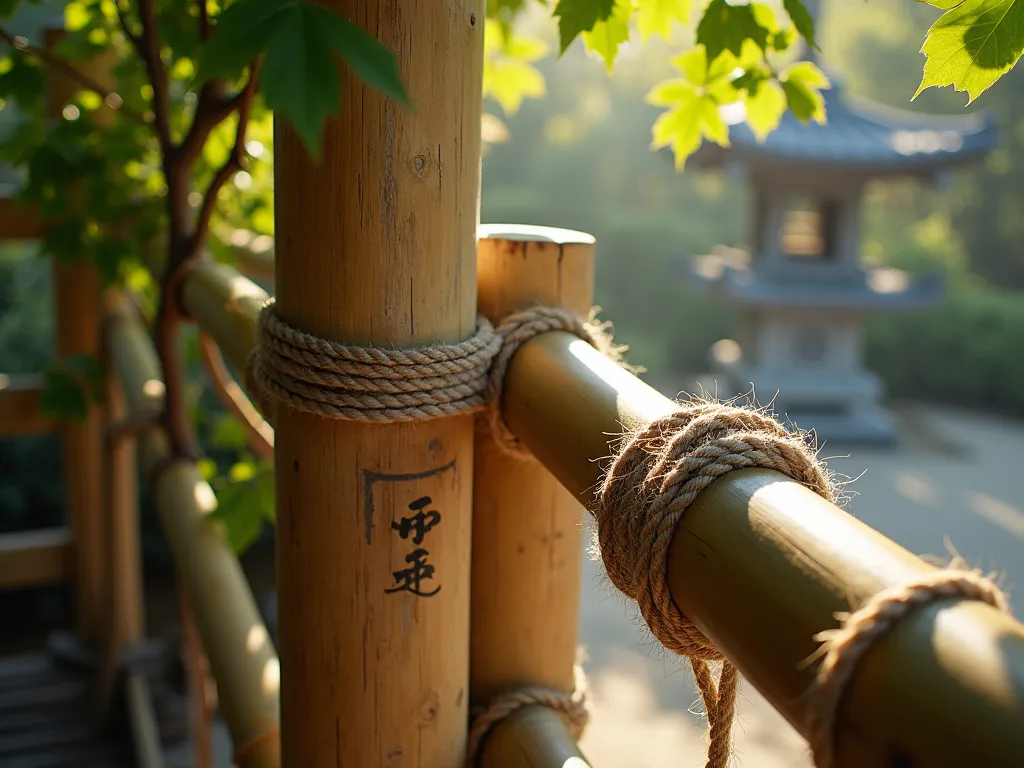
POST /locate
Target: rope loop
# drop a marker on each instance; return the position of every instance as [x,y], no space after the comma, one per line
[652,481]
[843,649]
[571,707]
[370,384]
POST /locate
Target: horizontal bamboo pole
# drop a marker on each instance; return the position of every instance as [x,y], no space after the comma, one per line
[225,304]
[145,733]
[761,564]
[21,413]
[532,737]
[241,653]
[35,558]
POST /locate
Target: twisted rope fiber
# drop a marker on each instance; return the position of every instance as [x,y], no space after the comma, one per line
[655,477]
[516,330]
[370,384]
[374,384]
[571,707]
[845,647]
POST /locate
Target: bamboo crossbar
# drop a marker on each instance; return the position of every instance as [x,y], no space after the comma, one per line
[21,413]
[760,563]
[242,656]
[35,558]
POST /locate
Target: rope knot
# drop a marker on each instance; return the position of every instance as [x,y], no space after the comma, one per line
[654,479]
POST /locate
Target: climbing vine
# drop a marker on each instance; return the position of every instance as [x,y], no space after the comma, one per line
[162,150]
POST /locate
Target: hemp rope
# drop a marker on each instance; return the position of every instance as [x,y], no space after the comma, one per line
[572,708]
[656,476]
[517,329]
[845,647]
[379,385]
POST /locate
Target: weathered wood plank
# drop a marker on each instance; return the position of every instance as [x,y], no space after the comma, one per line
[21,398]
[34,558]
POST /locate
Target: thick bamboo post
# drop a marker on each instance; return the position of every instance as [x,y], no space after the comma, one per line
[241,653]
[761,564]
[527,532]
[77,298]
[376,245]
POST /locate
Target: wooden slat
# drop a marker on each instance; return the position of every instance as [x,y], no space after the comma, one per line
[21,398]
[18,222]
[34,558]
[58,692]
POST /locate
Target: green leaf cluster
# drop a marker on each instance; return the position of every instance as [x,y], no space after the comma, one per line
[72,386]
[972,44]
[734,64]
[299,43]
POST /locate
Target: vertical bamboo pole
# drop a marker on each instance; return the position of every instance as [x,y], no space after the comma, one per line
[527,532]
[123,598]
[77,294]
[375,245]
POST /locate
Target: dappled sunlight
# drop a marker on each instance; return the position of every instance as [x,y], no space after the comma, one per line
[986,651]
[915,488]
[271,680]
[627,387]
[1008,517]
[205,498]
[256,640]
[154,389]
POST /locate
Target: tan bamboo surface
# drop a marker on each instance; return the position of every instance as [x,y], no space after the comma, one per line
[241,653]
[527,529]
[761,564]
[123,590]
[35,558]
[21,413]
[376,245]
[77,299]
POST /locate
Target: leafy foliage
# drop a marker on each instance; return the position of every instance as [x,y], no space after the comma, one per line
[973,44]
[72,386]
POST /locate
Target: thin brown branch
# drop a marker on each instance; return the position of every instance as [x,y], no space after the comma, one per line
[122,17]
[233,164]
[261,434]
[205,28]
[212,109]
[149,50]
[111,98]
